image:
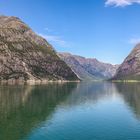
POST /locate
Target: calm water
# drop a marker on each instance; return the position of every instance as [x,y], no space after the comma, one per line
[70,111]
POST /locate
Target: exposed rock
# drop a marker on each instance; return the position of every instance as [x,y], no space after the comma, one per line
[27,56]
[89,69]
[130,68]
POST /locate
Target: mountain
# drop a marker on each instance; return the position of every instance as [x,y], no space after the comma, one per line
[26,56]
[130,68]
[89,69]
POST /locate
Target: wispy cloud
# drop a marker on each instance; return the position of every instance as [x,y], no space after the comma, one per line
[134,41]
[48,29]
[54,39]
[121,3]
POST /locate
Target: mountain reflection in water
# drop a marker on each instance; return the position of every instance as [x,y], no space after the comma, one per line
[24,110]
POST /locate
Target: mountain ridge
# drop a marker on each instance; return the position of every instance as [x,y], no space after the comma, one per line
[89,68]
[130,68]
[24,55]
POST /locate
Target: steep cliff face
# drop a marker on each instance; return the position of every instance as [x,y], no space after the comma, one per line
[130,68]
[89,69]
[27,56]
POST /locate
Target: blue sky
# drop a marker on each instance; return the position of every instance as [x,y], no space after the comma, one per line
[102,29]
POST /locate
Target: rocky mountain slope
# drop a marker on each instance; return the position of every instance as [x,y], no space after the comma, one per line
[89,69]
[130,68]
[26,56]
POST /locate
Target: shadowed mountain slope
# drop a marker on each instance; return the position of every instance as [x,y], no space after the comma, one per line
[89,69]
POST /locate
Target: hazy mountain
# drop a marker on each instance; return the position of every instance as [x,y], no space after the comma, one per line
[89,69]
[130,68]
[26,56]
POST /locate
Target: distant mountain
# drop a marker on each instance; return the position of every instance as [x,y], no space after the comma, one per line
[26,56]
[130,68]
[89,69]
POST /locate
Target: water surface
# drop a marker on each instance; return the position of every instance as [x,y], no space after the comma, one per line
[70,111]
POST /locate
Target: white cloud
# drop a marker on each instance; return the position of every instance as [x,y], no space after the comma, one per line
[54,39]
[134,41]
[121,3]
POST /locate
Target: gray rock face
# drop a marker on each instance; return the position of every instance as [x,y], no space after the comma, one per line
[89,69]
[27,56]
[130,68]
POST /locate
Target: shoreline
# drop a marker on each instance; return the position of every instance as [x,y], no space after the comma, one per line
[35,82]
[125,81]
[43,82]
